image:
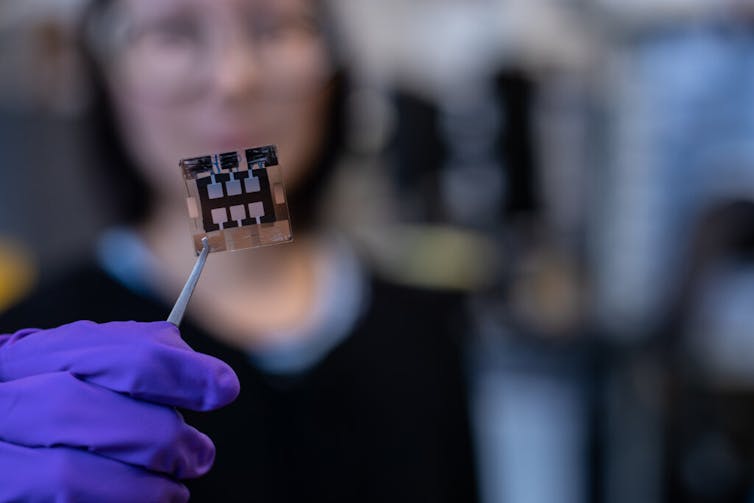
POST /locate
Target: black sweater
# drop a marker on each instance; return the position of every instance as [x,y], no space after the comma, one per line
[383,418]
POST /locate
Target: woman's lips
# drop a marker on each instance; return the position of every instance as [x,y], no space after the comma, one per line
[229,141]
[224,138]
[219,135]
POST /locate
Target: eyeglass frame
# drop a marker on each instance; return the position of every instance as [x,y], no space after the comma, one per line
[101,40]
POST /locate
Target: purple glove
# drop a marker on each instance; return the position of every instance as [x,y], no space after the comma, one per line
[87,412]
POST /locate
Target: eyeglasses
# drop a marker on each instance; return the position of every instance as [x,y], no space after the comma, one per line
[173,57]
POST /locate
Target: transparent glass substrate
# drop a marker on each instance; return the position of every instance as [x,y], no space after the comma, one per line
[237,199]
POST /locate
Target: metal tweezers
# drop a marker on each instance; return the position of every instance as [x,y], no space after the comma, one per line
[176,315]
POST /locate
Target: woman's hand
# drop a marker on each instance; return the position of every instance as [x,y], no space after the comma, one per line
[87,412]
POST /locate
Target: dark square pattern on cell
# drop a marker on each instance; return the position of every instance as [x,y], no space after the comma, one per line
[227,194]
[236,199]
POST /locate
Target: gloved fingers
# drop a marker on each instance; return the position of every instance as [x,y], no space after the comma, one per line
[6,338]
[63,474]
[57,409]
[148,361]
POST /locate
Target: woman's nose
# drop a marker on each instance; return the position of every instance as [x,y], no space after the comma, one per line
[236,72]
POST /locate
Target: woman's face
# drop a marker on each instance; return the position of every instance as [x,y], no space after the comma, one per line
[193,77]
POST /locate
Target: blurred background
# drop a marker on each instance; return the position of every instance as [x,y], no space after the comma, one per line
[583,170]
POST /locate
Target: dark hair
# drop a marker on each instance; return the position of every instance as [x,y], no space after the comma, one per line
[128,194]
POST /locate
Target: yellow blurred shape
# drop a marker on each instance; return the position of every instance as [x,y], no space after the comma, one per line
[434,256]
[17,272]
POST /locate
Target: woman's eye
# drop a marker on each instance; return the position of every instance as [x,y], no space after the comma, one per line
[170,32]
[264,30]
[277,28]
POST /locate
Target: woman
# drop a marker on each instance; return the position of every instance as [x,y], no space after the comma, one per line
[352,388]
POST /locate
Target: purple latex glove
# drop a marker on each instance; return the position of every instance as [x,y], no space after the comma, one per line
[87,412]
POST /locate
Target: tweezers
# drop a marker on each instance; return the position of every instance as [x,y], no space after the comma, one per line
[176,315]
